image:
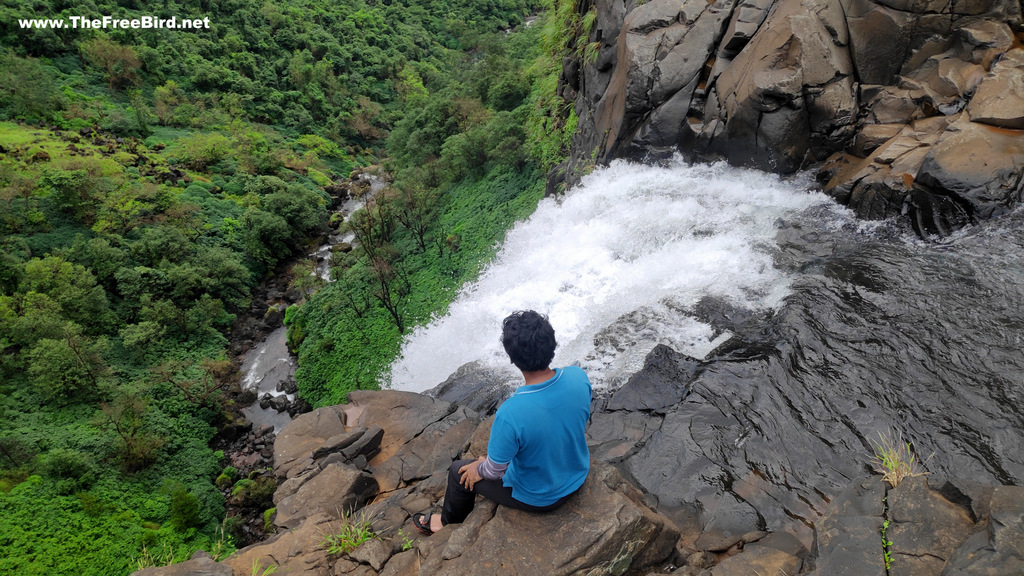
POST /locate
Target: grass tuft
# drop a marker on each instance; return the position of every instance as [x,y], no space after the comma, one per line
[349,536]
[894,458]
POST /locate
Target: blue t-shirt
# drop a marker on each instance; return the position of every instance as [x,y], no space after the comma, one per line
[540,433]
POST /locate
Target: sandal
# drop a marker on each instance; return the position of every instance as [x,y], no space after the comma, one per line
[422,523]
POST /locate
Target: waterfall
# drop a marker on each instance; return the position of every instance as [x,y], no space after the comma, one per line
[617,263]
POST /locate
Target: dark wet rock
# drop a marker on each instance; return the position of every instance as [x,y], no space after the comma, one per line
[661,383]
[275,315]
[614,436]
[199,565]
[785,84]
[279,403]
[784,542]
[288,386]
[477,387]
[728,521]
[849,535]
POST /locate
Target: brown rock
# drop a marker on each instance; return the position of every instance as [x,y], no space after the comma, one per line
[924,528]
[758,560]
[374,552]
[295,552]
[434,448]
[999,100]
[978,164]
[606,528]
[998,549]
[407,414]
[336,491]
[297,442]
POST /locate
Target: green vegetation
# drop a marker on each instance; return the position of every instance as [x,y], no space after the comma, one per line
[349,536]
[886,546]
[150,178]
[466,164]
[259,568]
[894,458]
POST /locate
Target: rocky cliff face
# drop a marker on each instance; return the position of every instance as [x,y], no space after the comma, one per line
[385,455]
[903,106]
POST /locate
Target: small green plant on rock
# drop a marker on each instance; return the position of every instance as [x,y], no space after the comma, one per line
[886,546]
[894,458]
[259,569]
[349,536]
[406,540]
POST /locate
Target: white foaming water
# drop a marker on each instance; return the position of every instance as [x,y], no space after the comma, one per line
[615,264]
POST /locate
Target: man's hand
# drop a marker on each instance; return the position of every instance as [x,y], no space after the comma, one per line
[470,474]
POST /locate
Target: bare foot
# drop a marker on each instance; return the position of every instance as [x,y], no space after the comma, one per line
[435,522]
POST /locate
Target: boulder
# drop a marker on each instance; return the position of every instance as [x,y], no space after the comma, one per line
[924,528]
[295,552]
[336,491]
[999,100]
[978,165]
[788,93]
[605,529]
[313,436]
[849,535]
[406,413]
[997,549]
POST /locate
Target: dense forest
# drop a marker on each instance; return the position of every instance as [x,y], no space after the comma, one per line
[151,178]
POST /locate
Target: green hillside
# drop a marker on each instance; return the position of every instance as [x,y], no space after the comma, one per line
[150,178]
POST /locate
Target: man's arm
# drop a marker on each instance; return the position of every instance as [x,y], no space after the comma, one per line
[491,470]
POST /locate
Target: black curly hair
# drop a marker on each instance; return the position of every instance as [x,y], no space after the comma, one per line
[529,340]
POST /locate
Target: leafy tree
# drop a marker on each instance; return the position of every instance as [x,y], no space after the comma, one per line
[266,236]
[120,63]
[137,446]
[73,190]
[71,286]
[29,89]
[67,368]
[305,278]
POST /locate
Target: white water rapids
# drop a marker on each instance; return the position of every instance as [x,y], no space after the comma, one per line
[616,263]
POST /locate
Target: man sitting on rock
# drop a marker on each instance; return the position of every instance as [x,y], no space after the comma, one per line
[537,456]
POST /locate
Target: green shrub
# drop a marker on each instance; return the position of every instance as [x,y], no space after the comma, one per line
[227,478]
[200,151]
[268,519]
[185,509]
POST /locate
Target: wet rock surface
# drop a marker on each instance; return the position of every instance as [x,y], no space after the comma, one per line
[788,84]
[609,527]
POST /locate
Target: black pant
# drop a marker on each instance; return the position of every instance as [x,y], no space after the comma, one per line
[459,500]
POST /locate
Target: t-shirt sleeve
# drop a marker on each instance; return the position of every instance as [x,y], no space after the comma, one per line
[504,442]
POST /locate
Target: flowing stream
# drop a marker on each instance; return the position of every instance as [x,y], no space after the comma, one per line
[796,335]
[616,263]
